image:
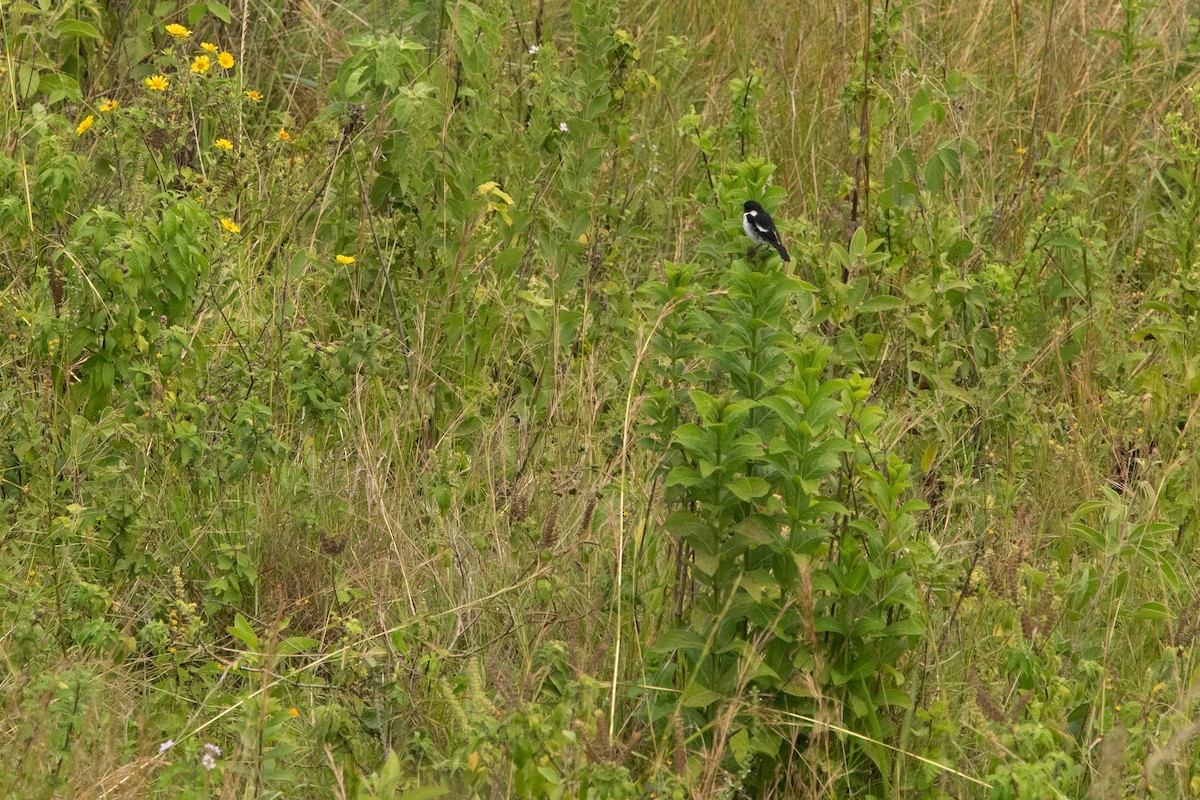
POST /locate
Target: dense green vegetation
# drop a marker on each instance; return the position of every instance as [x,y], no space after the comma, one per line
[390,406]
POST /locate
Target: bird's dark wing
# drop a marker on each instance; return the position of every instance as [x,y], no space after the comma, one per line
[765,227]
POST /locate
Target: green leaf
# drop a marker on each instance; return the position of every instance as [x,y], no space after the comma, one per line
[959,250]
[749,488]
[739,745]
[757,529]
[425,793]
[691,528]
[195,13]
[220,11]
[28,80]
[242,631]
[76,28]
[678,639]
[884,302]
[684,476]
[909,626]
[692,439]
[858,245]
[928,456]
[1153,611]
[697,696]
[830,625]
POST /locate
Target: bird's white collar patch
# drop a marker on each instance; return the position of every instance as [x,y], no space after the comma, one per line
[752,213]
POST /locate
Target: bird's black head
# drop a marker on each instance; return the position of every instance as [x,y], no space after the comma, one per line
[751,205]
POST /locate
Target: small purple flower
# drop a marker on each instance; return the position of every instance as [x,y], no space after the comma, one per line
[208,762]
[562,126]
[533,50]
[212,748]
[165,746]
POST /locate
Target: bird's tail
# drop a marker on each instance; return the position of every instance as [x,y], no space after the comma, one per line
[782,252]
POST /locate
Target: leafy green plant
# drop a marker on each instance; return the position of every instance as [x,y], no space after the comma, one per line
[795,523]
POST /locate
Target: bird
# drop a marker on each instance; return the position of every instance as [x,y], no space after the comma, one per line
[759,226]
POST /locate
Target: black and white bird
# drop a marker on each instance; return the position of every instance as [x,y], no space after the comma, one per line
[759,226]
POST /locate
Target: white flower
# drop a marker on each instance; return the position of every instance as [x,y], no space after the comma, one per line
[165,746]
[562,126]
[533,50]
[207,761]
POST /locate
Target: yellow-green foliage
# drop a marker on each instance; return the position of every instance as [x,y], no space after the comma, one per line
[390,406]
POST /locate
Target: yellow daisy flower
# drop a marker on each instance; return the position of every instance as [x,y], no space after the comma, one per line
[283,136]
[178,31]
[209,47]
[253,95]
[223,144]
[157,83]
[200,65]
[110,105]
[83,126]
[345,260]
[225,60]
[230,225]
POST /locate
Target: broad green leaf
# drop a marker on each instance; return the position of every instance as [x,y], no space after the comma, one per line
[425,793]
[76,28]
[242,631]
[1152,611]
[746,488]
[697,696]
[678,639]
[884,302]
[220,11]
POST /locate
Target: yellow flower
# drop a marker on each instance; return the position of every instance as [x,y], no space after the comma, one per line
[209,47]
[253,95]
[502,199]
[283,136]
[83,126]
[178,31]
[110,105]
[345,260]
[201,64]
[230,225]
[157,83]
[223,144]
[225,60]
